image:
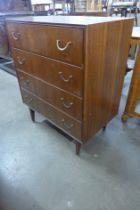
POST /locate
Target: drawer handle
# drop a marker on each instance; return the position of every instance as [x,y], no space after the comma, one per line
[67,106]
[16,35]
[67,126]
[21,61]
[26,96]
[21,77]
[65,80]
[29,101]
[62,48]
[27,82]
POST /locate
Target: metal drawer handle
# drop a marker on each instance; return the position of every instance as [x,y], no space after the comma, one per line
[29,101]
[27,82]
[65,80]
[67,106]
[62,48]
[16,35]
[26,96]
[67,126]
[21,61]
[21,77]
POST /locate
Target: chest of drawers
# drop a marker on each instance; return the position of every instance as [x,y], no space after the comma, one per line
[71,69]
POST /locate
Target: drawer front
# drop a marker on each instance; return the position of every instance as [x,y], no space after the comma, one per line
[67,77]
[58,98]
[62,43]
[68,124]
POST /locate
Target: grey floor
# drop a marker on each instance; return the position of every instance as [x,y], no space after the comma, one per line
[39,170]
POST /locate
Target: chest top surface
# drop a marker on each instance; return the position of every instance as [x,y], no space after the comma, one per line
[66,20]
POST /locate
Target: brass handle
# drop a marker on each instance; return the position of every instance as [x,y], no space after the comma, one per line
[62,48]
[27,82]
[67,106]
[29,101]
[21,61]
[66,125]
[21,77]
[16,35]
[26,96]
[65,80]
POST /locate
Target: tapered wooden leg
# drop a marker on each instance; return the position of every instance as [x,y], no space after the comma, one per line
[32,114]
[78,147]
[104,128]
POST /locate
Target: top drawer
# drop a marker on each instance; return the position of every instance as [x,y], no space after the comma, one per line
[62,43]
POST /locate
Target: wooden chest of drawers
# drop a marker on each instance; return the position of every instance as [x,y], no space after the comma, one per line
[71,69]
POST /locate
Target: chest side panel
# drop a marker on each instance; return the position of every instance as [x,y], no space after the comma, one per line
[107,46]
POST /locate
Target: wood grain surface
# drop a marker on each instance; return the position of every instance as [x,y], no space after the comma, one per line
[85,75]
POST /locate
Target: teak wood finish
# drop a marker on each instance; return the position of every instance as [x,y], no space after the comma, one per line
[71,104]
[31,63]
[134,90]
[71,69]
